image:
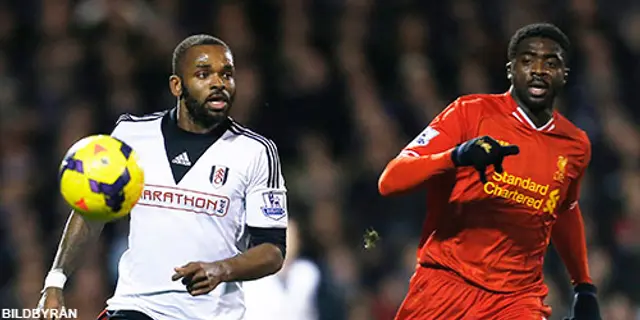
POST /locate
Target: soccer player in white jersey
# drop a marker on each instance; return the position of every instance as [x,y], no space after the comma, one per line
[213,212]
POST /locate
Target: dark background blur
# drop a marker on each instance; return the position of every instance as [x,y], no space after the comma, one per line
[341,86]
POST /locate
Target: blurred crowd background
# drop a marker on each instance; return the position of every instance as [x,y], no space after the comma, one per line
[341,86]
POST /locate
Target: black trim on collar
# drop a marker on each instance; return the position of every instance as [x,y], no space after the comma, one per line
[184,148]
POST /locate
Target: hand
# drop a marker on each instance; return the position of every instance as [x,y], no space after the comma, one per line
[585,303]
[52,298]
[202,277]
[482,152]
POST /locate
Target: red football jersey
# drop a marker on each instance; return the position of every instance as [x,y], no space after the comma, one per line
[495,235]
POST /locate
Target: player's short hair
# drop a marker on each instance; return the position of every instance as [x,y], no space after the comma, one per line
[190,42]
[542,30]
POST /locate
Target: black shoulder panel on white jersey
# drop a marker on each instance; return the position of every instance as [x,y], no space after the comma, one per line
[272,152]
[127,117]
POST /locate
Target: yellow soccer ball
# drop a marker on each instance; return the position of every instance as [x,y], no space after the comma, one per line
[100,178]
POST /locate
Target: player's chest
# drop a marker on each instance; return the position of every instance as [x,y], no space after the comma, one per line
[213,183]
[538,178]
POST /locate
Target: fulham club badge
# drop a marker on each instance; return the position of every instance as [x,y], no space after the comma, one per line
[218,176]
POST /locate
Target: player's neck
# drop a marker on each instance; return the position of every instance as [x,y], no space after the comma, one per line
[539,116]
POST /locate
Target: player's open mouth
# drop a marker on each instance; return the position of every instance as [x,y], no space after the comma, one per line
[217,102]
[538,88]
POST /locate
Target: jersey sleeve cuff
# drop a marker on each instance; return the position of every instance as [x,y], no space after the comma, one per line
[443,160]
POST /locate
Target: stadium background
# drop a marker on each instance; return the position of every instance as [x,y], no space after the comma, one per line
[341,86]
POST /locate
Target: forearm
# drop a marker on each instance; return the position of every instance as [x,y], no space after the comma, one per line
[569,240]
[257,262]
[406,172]
[78,235]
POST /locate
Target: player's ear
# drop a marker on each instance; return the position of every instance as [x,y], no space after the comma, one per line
[175,85]
[565,75]
[509,74]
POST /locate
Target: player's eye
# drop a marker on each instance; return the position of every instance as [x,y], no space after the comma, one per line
[202,74]
[227,75]
[552,64]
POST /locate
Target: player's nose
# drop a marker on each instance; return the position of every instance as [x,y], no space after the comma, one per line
[538,69]
[217,83]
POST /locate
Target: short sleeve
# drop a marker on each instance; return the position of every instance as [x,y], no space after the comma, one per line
[444,132]
[266,195]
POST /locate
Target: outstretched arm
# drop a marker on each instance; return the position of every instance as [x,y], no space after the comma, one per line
[79,234]
[429,154]
[407,171]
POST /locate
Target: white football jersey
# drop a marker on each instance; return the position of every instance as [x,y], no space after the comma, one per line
[201,192]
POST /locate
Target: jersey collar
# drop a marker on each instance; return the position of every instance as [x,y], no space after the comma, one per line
[522,117]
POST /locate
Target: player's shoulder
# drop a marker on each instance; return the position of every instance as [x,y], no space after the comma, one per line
[566,127]
[129,124]
[129,118]
[250,140]
[572,132]
[469,107]
[479,103]
[479,99]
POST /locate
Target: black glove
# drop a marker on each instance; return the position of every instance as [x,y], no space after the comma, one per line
[585,303]
[482,152]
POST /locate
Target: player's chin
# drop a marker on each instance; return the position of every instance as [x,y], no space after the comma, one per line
[217,116]
[541,100]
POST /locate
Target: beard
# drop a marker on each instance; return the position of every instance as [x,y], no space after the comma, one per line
[199,113]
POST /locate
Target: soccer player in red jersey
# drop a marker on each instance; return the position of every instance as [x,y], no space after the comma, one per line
[502,173]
